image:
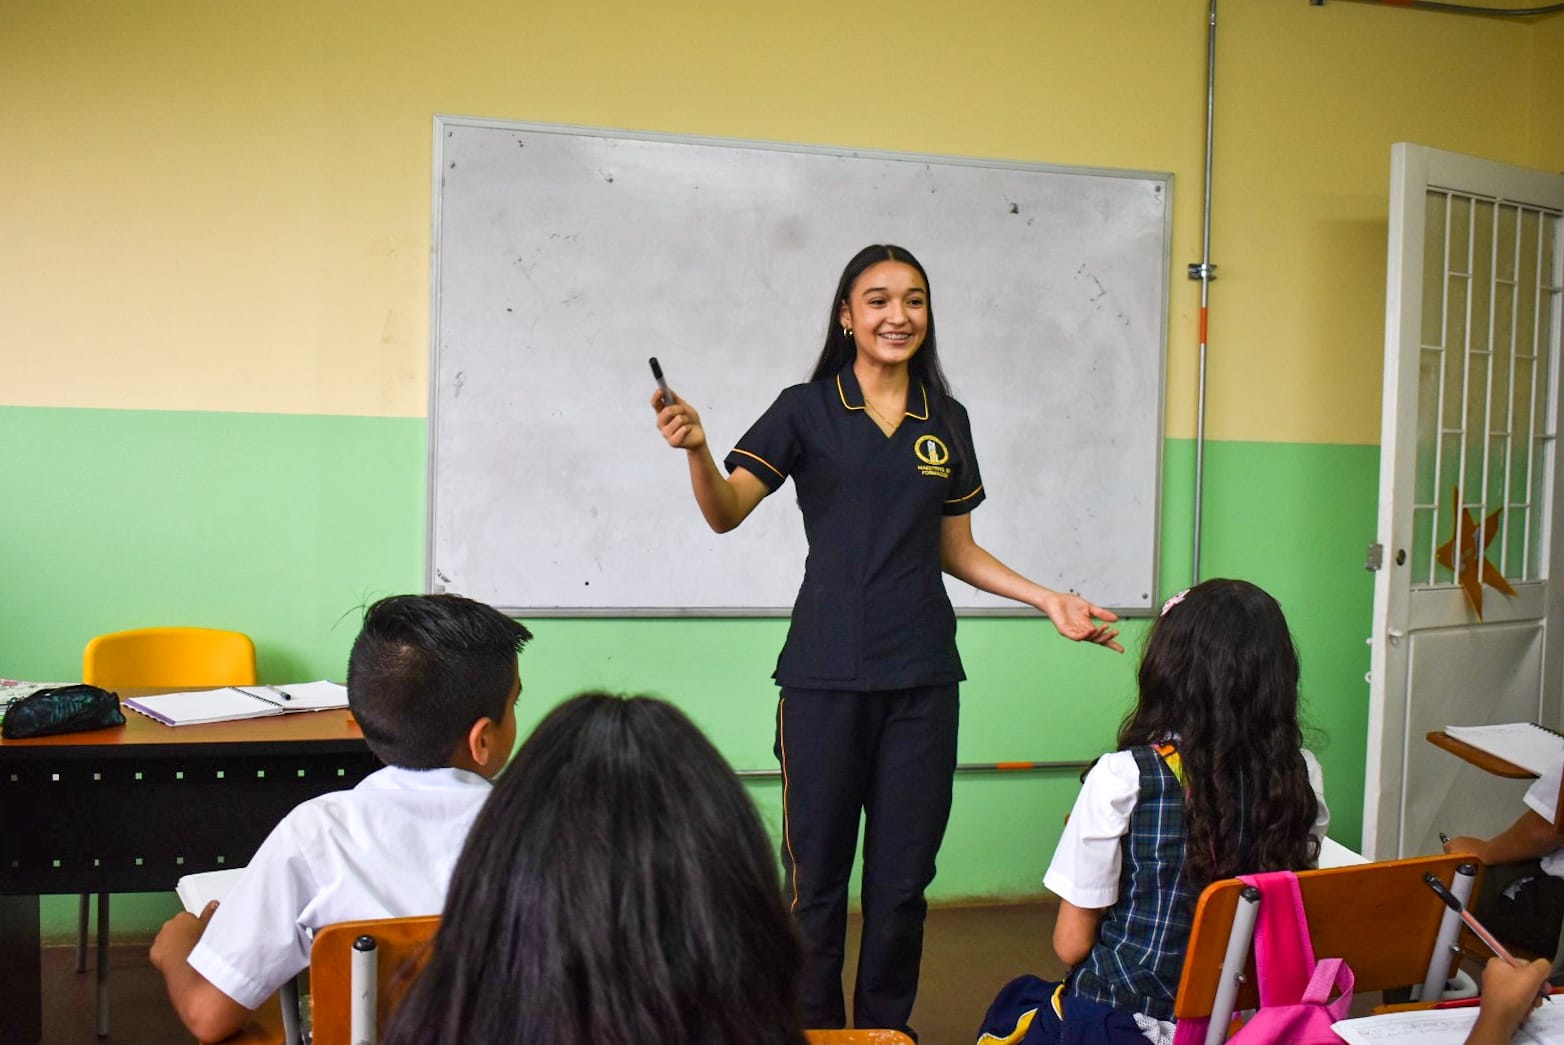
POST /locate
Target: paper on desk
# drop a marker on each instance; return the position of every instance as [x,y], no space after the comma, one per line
[1526,744]
[1545,1026]
[197,890]
[1334,854]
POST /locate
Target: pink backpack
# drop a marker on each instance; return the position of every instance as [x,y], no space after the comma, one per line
[1295,991]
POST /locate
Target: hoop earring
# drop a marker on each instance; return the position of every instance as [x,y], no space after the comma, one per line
[847,332]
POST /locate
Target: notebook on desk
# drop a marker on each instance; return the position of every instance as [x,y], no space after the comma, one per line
[1526,744]
[1445,1027]
[233,703]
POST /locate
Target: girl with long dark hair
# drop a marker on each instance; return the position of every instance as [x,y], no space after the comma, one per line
[618,888]
[1210,780]
[882,459]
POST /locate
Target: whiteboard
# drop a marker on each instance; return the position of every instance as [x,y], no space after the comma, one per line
[564,257]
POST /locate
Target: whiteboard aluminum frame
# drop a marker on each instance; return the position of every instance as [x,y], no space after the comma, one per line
[442,121]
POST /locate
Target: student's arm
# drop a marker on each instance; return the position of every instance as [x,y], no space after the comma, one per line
[1529,838]
[206,1012]
[1084,871]
[1075,932]
[725,501]
[964,559]
[1509,994]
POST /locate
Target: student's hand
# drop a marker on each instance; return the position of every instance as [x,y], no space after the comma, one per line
[1509,993]
[178,937]
[679,423]
[1466,844]
[1081,621]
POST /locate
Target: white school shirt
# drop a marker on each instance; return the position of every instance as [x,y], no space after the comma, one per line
[1542,798]
[385,849]
[1085,867]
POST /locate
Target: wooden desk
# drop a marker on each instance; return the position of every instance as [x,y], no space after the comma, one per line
[1495,765]
[131,809]
[1479,758]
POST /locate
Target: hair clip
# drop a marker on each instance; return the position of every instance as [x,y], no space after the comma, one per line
[1173,601]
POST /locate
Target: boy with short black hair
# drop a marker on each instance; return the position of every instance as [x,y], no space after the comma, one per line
[432,681]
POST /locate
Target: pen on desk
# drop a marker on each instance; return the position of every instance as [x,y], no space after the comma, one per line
[280,693]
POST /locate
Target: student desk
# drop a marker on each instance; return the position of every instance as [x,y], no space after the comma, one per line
[1491,764]
[1478,757]
[133,808]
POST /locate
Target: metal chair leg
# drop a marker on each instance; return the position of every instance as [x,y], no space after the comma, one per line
[103,965]
[83,909]
[288,998]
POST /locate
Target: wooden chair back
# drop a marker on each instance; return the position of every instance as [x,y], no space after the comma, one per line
[402,947]
[1381,917]
[401,950]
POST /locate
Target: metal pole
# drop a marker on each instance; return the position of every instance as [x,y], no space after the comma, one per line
[1205,272]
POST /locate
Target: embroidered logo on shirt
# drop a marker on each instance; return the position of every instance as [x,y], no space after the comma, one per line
[934,454]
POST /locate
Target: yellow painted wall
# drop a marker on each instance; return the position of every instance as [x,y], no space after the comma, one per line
[225,206]
[1547,123]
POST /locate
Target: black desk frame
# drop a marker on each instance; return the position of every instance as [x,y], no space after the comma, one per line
[90,818]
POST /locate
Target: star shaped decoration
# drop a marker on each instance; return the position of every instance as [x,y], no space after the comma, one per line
[1462,557]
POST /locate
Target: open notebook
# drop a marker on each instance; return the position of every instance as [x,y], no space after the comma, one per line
[1525,744]
[237,702]
[1445,1027]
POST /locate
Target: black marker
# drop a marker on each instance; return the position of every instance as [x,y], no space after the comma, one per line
[668,397]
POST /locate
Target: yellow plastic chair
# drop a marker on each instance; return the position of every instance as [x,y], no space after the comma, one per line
[169,657]
[147,657]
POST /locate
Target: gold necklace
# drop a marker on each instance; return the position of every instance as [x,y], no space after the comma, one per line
[886,423]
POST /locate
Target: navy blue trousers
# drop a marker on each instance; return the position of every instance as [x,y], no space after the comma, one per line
[891,756]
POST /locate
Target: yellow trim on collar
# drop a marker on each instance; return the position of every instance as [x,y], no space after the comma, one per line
[842,395]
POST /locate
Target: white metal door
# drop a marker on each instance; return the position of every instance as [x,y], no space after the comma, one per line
[1472,330]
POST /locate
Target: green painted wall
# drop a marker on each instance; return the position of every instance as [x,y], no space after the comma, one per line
[284,525]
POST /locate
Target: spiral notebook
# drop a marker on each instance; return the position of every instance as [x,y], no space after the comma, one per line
[1526,744]
[233,703]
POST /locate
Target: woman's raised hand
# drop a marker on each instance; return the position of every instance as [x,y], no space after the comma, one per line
[679,423]
[1082,621]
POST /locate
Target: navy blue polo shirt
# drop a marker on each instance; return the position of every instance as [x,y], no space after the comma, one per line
[872,612]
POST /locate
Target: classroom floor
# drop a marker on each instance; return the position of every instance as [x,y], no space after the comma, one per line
[969,953]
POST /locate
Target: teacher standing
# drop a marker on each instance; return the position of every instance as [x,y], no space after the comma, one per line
[882,460]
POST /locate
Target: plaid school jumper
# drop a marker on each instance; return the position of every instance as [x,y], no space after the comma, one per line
[1139,953]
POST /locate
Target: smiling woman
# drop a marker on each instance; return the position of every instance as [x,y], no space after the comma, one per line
[882,459]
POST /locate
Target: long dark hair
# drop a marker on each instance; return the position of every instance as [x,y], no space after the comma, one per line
[617,888]
[839,348]
[1220,673]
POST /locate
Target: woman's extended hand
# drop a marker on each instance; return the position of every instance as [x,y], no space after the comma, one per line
[679,423]
[1081,621]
